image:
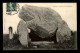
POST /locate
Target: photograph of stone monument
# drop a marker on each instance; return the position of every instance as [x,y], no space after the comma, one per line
[41,27]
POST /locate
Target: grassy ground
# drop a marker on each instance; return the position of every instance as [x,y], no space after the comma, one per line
[14,44]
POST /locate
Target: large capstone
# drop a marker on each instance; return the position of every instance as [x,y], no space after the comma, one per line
[44,22]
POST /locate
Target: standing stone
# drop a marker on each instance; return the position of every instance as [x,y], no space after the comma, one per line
[23,33]
[10,33]
[63,32]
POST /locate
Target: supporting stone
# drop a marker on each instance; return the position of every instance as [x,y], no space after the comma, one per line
[23,33]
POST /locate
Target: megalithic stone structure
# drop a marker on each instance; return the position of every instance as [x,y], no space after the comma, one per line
[44,22]
[10,33]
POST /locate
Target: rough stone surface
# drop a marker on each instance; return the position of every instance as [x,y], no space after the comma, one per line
[63,32]
[44,21]
[23,33]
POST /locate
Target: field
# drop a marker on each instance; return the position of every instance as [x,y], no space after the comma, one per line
[14,44]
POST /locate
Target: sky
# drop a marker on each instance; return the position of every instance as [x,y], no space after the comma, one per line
[68,12]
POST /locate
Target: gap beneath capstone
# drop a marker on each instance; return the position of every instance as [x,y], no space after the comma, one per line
[35,38]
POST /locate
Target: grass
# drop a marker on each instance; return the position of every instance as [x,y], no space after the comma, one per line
[14,44]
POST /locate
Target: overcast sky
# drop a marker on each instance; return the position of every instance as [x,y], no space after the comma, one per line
[66,10]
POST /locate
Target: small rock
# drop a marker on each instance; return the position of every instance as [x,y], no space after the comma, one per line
[34,46]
